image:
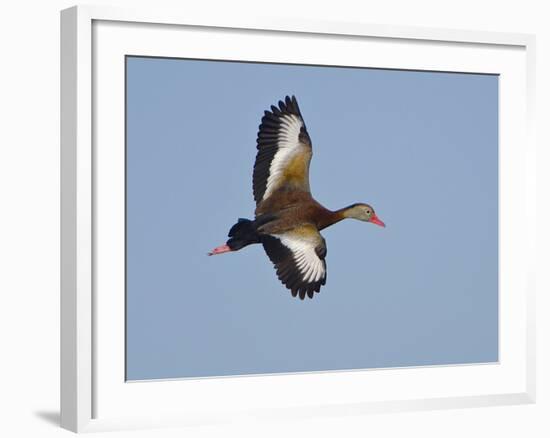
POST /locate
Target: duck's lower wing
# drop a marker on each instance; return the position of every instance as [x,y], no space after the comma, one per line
[299,258]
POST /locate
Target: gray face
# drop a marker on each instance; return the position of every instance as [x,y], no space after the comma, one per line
[368,212]
[362,212]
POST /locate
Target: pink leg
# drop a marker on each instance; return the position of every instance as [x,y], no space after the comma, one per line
[220,250]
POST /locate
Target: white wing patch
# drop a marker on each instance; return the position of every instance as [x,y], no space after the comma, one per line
[307,261]
[288,145]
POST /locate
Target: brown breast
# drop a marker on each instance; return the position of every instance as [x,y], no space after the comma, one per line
[293,208]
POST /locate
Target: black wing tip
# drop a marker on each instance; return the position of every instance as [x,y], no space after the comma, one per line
[292,105]
[287,105]
[308,290]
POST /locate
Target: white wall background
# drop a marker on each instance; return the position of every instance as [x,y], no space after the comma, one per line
[29,215]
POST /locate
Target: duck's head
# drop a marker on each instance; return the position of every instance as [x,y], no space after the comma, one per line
[363,212]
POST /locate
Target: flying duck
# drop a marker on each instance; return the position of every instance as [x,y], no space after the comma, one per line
[287,218]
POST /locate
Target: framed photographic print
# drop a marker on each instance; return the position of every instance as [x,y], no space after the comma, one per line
[274,219]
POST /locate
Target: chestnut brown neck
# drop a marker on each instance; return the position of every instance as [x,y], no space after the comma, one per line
[328,217]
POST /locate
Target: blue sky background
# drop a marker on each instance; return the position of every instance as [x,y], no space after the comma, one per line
[421,147]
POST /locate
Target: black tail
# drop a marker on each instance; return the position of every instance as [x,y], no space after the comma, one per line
[241,234]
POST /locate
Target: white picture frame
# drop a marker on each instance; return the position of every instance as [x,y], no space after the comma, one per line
[94,395]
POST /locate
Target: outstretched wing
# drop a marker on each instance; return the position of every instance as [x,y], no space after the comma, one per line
[284,151]
[299,258]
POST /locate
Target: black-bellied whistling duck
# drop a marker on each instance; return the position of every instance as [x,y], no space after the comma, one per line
[287,218]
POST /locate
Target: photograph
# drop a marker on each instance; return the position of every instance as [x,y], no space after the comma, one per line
[301,219]
[240,178]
